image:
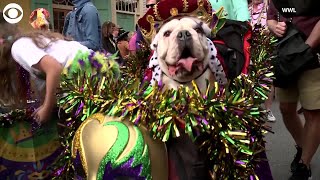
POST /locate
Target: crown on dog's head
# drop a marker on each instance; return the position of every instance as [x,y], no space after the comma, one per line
[166,10]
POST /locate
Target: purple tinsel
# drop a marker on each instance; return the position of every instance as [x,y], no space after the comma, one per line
[25,81]
[79,109]
[81,62]
[96,64]
[92,53]
[136,122]
[59,171]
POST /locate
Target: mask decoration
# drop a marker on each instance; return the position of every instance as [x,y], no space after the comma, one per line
[120,150]
[39,19]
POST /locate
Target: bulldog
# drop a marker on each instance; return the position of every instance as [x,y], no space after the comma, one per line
[183,52]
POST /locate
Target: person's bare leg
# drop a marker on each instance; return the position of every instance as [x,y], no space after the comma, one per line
[292,121]
[268,102]
[311,135]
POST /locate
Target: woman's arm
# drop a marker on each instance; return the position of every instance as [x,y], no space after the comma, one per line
[314,38]
[52,68]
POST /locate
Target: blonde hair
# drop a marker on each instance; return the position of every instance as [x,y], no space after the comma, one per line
[14,88]
[11,92]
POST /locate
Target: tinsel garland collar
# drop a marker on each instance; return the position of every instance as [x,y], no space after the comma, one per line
[214,65]
[227,122]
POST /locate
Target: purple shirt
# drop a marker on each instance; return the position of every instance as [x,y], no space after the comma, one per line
[135,40]
[132,42]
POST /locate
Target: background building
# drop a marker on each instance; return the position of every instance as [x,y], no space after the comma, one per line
[124,13]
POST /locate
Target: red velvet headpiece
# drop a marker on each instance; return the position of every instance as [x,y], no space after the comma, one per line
[165,10]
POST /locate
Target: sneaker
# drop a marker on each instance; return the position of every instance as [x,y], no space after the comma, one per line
[296,159]
[302,172]
[270,116]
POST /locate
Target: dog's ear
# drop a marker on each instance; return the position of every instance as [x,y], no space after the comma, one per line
[154,43]
[206,29]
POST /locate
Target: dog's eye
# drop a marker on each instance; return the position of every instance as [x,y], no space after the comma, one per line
[167,33]
[199,30]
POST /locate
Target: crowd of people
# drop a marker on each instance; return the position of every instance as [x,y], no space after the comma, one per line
[83,26]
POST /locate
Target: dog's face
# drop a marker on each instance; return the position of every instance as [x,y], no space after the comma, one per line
[182,48]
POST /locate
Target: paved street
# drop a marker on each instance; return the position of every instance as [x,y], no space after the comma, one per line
[281,150]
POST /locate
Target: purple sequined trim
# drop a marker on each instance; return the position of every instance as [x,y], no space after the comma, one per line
[125,170]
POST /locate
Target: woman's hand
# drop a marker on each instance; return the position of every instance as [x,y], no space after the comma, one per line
[277,28]
[52,68]
[280,29]
[42,114]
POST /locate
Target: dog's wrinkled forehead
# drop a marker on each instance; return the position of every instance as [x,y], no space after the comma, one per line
[181,24]
[184,23]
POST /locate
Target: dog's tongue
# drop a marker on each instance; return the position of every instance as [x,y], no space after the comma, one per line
[186,63]
[172,70]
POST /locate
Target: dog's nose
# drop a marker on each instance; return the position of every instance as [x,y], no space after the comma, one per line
[184,35]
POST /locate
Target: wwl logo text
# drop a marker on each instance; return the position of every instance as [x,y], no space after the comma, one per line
[288,10]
